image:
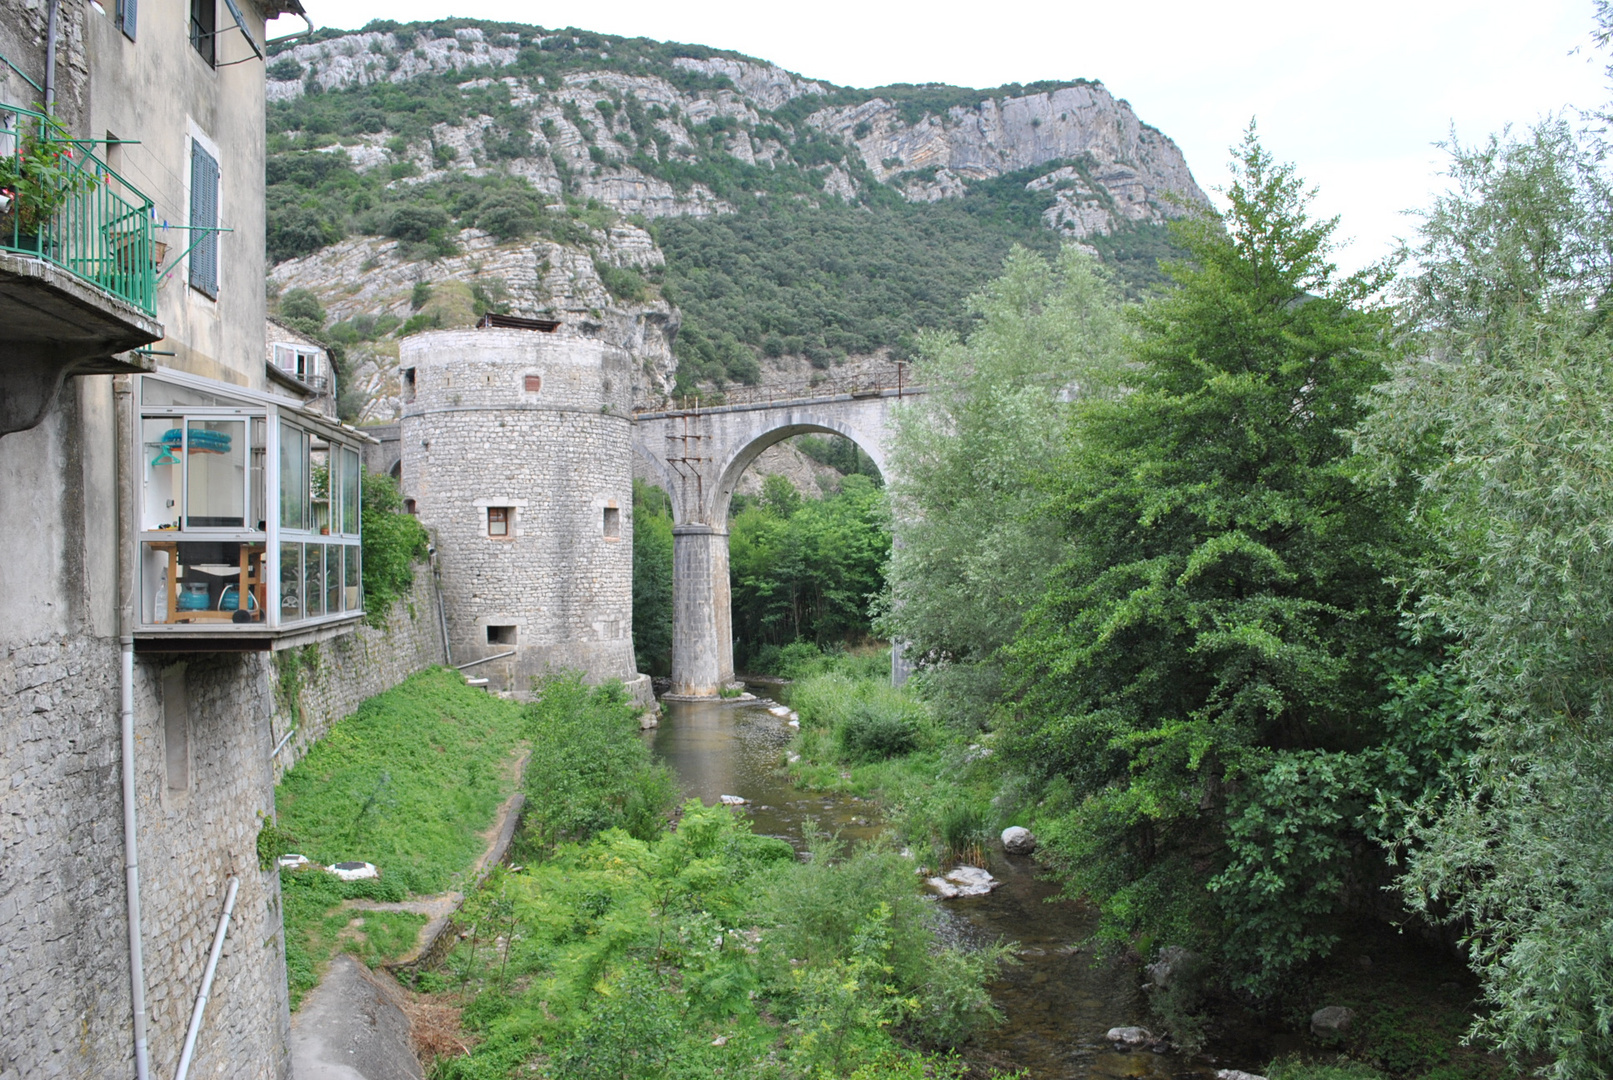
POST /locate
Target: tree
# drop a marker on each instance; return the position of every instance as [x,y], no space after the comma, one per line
[968,458]
[652,579]
[1500,422]
[1200,679]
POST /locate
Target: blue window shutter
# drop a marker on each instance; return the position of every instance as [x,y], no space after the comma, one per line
[204,216]
[128,15]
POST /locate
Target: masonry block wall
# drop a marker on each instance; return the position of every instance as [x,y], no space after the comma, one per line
[517,452]
[203,776]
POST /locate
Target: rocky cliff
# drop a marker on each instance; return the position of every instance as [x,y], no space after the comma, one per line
[536,165]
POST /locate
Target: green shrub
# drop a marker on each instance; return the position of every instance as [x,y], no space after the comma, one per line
[874,730]
[393,542]
[589,770]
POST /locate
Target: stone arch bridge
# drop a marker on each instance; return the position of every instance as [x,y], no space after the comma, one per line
[698,456]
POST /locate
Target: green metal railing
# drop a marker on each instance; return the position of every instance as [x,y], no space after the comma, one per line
[67,207]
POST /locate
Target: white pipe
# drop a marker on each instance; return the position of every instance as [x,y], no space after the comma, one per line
[281,745]
[124,424]
[131,865]
[207,981]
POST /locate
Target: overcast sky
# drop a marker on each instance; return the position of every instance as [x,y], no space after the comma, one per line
[1354,94]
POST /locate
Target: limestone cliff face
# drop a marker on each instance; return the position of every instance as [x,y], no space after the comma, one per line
[1127,171]
[639,133]
[368,276]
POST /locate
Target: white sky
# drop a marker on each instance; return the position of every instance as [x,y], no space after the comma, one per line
[1354,94]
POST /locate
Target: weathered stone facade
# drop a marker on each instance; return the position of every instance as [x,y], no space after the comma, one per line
[203,784]
[529,433]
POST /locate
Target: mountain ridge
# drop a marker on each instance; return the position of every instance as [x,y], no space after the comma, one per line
[787,216]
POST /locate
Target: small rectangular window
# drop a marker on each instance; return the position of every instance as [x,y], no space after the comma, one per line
[534,383]
[498,521]
[500,635]
[613,523]
[408,384]
[204,28]
[128,16]
[204,221]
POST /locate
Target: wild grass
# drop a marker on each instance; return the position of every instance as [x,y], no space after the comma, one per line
[710,951]
[409,782]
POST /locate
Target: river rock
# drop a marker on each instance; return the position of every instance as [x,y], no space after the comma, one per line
[1018,840]
[963,881]
[1174,963]
[1236,1074]
[733,800]
[1130,1036]
[1332,1021]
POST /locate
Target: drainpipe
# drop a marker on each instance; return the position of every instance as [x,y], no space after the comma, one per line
[122,391]
[442,618]
[50,56]
[309,23]
[207,982]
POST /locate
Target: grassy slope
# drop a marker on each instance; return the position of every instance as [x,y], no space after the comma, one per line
[409,782]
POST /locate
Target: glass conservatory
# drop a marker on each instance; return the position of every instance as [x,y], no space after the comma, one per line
[248,510]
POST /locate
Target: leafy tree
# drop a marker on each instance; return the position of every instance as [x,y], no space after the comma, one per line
[1206,659]
[652,579]
[807,574]
[393,543]
[1499,422]
[968,458]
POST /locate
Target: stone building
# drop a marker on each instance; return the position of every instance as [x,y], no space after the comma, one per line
[297,363]
[164,534]
[517,455]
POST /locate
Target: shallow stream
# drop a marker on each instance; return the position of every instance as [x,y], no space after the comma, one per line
[1058,1004]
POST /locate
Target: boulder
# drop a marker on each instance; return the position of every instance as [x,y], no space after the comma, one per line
[1130,1036]
[733,800]
[1332,1022]
[963,881]
[1236,1074]
[1175,963]
[1018,840]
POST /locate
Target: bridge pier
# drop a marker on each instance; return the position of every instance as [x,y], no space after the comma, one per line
[702,621]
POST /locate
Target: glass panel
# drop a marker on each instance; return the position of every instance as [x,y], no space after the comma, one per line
[314,584]
[319,488]
[293,476]
[200,581]
[354,600]
[162,448]
[157,392]
[215,474]
[290,582]
[333,579]
[259,452]
[350,489]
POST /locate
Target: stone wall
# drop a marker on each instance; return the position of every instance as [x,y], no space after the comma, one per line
[534,424]
[203,782]
[328,681]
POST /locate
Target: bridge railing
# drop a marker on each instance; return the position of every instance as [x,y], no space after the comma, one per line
[784,393]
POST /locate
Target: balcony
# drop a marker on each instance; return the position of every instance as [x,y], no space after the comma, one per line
[78,280]
[248,519]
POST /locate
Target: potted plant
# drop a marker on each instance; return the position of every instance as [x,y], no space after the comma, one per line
[36,181]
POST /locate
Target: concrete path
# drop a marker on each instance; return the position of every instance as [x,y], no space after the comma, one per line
[352,1027]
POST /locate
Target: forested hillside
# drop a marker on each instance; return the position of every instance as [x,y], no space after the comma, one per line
[706,210]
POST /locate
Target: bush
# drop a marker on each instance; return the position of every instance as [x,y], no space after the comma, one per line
[589,770]
[879,729]
[393,543]
[415,223]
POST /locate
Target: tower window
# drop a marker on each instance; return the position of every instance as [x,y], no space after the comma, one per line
[498,521]
[408,384]
[533,383]
[613,523]
[500,635]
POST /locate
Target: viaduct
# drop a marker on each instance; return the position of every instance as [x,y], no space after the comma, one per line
[517,448]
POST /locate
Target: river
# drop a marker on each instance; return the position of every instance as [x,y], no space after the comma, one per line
[1057,1002]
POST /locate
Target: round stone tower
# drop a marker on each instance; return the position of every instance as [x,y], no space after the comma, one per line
[517,457]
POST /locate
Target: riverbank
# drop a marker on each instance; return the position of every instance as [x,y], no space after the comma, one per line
[945,793]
